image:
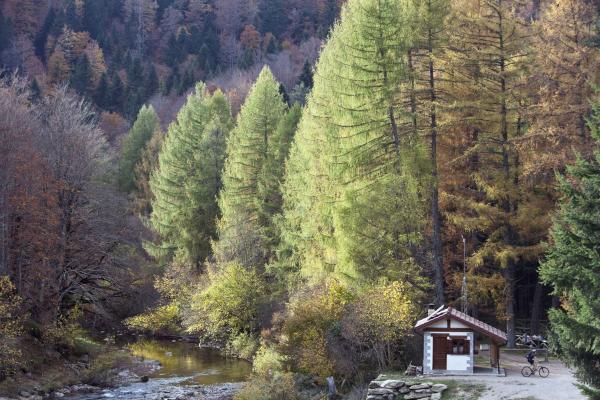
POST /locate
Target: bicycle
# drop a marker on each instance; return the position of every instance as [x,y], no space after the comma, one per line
[527,371]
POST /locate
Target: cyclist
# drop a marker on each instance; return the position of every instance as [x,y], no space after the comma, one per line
[531,358]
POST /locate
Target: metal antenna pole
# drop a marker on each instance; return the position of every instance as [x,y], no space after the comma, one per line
[464,302]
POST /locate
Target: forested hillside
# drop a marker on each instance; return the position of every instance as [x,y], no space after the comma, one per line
[293,181]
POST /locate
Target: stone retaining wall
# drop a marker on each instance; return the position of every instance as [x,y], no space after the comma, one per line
[396,389]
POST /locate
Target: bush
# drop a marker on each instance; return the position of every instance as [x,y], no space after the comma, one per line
[243,345]
[280,386]
[268,362]
[313,319]
[11,326]
[378,321]
[230,304]
[64,332]
[163,318]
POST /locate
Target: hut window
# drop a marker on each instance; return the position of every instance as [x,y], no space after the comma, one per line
[460,346]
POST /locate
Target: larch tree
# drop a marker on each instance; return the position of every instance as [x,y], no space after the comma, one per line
[250,193]
[143,170]
[353,179]
[571,268]
[141,132]
[488,60]
[566,69]
[188,179]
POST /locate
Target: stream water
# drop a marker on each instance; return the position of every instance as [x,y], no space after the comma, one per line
[186,372]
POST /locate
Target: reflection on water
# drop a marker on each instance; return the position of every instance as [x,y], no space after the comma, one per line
[199,365]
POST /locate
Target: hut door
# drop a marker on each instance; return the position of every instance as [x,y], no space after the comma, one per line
[439,352]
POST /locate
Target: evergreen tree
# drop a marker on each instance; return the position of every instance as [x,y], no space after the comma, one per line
[6,31]
[188,179]
[272,16]
[101,97]
[81,78]
[572,266]
[249,199]
[42,36]
[152,83]
[115,93]
[142,130]
[284,94]
[306,77]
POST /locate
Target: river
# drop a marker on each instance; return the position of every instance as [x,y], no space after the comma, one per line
[186,372]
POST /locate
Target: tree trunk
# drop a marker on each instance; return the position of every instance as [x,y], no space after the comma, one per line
[510,304]
[534,327]
[438,264]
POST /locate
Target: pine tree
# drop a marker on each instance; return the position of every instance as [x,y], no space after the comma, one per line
[115,94]
[141,132]
[188,179]
[250,191]
[272,16]
[81,79]
[152,83]
[102,91]
[571,268]
[306,76]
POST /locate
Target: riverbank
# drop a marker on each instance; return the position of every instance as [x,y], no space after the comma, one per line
[141,369]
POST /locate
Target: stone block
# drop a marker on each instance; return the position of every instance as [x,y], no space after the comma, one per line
[439,387]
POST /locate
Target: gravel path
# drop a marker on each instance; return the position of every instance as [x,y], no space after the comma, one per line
[558,386]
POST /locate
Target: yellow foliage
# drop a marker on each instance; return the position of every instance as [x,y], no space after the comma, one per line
[11,325]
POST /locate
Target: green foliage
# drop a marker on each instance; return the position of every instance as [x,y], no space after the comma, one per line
[571,268]
[356,157]
[268,361]
[230,304]
[281,386]
[11,326]
[141,132]
[380,319]
[243,345]
[146,165]
[251,195]
[161,319]
[188,179]
[314,315]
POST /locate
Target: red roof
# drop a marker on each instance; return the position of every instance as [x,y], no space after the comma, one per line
[442,313]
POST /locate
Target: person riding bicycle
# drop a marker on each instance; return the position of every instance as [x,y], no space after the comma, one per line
[531,357]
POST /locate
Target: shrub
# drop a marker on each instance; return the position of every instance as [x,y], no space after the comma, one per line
[11,326]
[313,318]
[163,318]
[379,320]
[230,304]
[280,386]
[243,345]
[268,362]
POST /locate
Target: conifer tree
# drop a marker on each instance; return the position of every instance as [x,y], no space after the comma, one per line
[489,63]
[188,179]
[571,268]
[147,164]
[81,78]
[142,130]
[250,189]
[356,144]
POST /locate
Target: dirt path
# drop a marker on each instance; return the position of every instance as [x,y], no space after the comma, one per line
[558,386]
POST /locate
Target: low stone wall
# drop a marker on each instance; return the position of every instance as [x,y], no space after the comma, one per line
[396,389]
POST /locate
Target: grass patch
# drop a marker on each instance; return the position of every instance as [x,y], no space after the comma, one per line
[461,390]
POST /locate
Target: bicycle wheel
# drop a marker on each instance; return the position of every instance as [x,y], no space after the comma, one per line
[526,371]
[544,372]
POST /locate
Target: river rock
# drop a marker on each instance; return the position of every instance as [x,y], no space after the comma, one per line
[439,387]
[392,384]
[414,396]
[420,386]
[380,391]
[436,396]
